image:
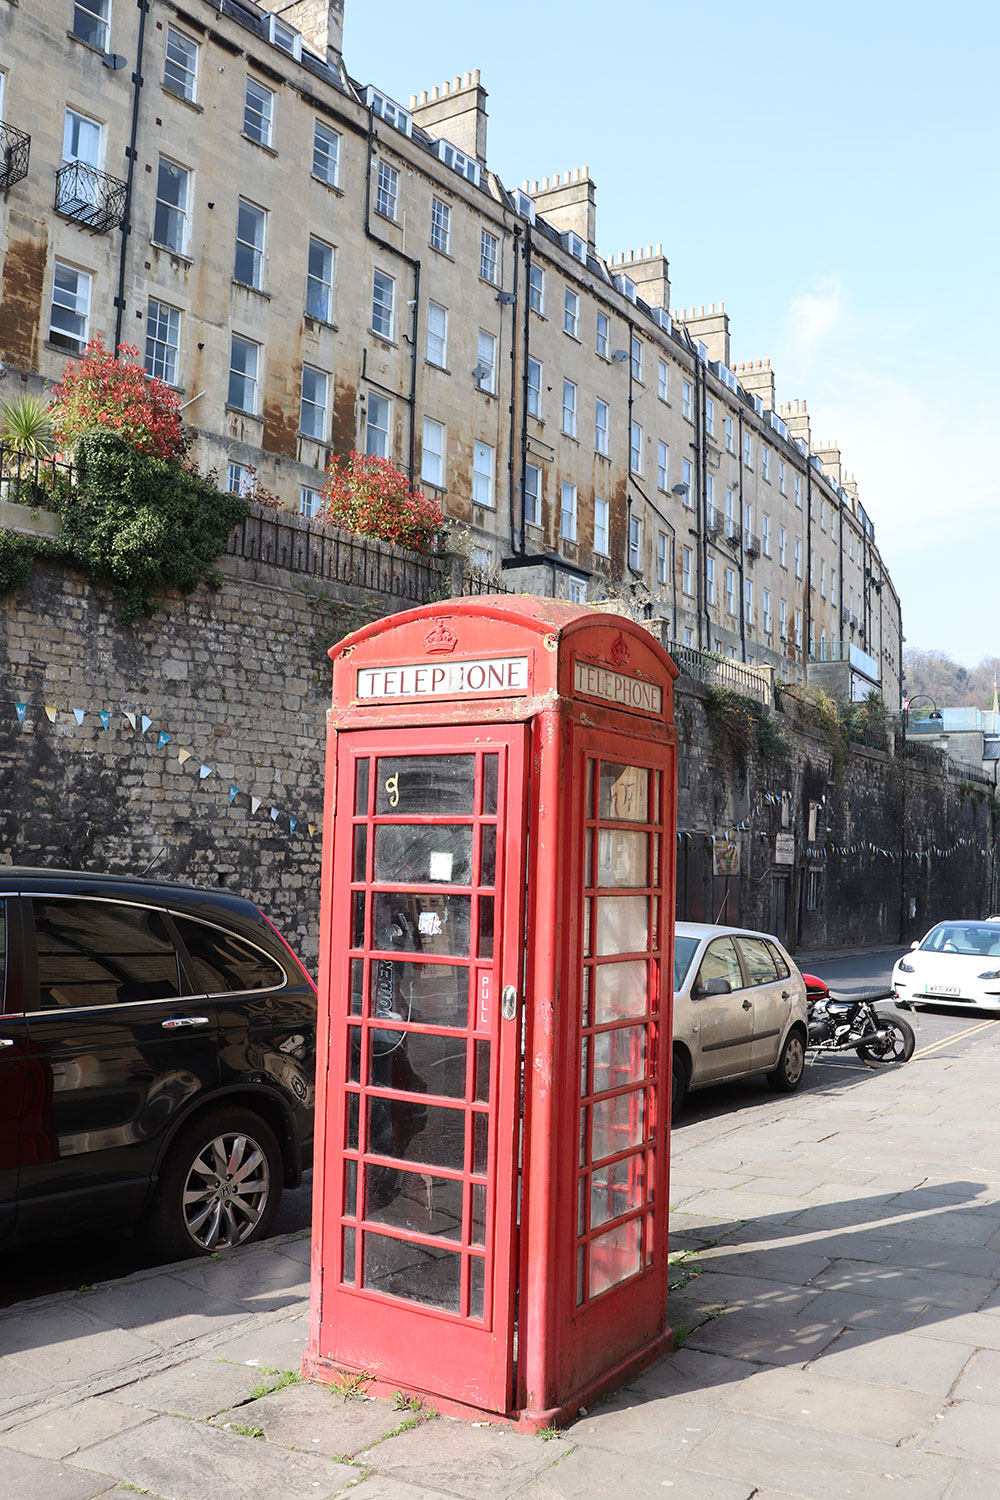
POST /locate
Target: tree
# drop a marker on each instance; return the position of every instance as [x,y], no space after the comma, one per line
[369,496]
[108,392]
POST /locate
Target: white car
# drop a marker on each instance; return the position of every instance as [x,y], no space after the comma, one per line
[957,963]
[739,1009]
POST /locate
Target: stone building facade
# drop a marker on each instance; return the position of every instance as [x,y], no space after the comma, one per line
[315,266]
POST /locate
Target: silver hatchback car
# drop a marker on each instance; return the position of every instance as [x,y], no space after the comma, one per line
[739,1008]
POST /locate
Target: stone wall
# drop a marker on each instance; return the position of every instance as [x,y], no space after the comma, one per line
[238,678]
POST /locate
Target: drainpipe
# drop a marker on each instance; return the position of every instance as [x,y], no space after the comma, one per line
[516,534]
[699,485]
[130,174]
[840,567]
[808,578]
[524,385]
[739,557]
[377,239]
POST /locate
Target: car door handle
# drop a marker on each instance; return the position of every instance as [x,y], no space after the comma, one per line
[177,1021]
[748,1005]
[5,1041]
[785,995]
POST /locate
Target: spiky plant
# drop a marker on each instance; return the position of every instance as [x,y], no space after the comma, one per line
[25,427]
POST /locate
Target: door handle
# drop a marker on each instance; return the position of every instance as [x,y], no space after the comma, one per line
[785,995]
[5,1041]
[748,1005]
[177,1021]
[508,1002]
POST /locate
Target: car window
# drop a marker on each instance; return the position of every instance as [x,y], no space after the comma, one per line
[759,960]
[780,961]
[684,951]
[721,962]
[224,963]
[102,953]
[964,937]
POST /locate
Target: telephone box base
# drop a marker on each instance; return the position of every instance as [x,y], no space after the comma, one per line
[327,1372]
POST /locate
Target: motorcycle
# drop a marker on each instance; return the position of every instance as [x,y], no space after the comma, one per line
[842,1023]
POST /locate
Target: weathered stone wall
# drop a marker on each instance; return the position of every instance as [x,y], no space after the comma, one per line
[238,677]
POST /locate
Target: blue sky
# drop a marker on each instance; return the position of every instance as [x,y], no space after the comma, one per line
[829,172]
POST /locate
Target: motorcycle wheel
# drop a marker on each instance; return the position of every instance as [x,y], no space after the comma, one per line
[898,1045]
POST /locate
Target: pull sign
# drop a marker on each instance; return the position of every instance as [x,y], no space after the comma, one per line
[485,999]
[508,1002]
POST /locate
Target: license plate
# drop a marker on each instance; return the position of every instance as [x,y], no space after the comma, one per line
[942,989]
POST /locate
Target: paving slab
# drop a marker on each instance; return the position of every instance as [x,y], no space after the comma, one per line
[487,1463]
[858,1310]
[944,1289]
[277,1345]
[794,1461]
[763,1338]
[58,1430]
[968,1430]
[197,1388]
[656,1427]
[790,1266]
[934,1255]
[715,1290]
[814,1400]
[167,1309]
[591,1474]
[187,1461]
[277,1281]
[380,1487]
[974,1482]
[981,1329]
[980,1379]
[30,1478]
[900,1360]
[316,1419]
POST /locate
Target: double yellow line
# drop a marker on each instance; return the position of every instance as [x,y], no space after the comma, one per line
[954,1037]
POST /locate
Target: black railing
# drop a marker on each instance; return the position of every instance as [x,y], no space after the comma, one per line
[734,533]
[714,520]
[969,771]
[41,482]
[751,544]
[90,197]
[707,667]
[475,582]
[15,147]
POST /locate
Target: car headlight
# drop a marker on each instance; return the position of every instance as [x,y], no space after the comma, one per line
[904,967]
[991,974]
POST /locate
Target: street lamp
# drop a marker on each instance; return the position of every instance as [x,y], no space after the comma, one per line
[908,703]
[935,713]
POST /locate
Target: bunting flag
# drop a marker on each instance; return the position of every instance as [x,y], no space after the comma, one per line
[254,804]
[104,717]
[78,715]
[50,713]
[183,755]
[146,722]
[164,739]
[234,792]
[127,714]
[20,709]
[274,814]
[292,824]
[312,828]
[205,771]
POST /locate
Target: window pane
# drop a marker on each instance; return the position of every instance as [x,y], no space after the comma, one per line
[615,1189]
[614,1256]
[617,1124]
[401,1269]
[410,854]
[100,953]
[420,1202]
[180,65]
[759,961]
[226,963]
[624,794]
[622,858]
[415,784]
[326,154]
[619,991]
[423,923]
[619,1057]
[622,925]
[163,330]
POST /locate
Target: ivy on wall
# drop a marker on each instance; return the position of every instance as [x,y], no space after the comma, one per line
[744,728]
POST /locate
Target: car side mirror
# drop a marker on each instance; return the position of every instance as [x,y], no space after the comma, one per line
[915,944]
[713,987]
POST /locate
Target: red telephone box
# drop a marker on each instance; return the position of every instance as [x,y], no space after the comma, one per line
[490,1203]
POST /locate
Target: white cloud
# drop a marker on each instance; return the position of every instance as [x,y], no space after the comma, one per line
[812,317]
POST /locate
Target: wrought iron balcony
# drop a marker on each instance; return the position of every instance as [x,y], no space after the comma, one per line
[14,148]
[751,544]
[734,533]
[90,196]
[714,520]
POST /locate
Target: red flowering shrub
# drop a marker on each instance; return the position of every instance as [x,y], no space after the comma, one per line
[368,495]
[105,392]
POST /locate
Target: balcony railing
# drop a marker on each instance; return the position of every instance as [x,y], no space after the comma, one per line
[90,196]
[709,667]
[714,520]
[751,544]
[15,146]
[734,533]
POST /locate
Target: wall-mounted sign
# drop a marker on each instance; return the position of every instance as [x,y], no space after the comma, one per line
[445,679]
[725,856]
[615,687]
[784,848]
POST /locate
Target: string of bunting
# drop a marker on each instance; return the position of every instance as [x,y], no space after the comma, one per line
[143,723]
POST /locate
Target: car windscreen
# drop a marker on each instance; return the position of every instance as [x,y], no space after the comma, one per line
[684,951]
[975,939]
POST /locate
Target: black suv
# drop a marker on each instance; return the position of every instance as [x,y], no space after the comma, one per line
[157,1060]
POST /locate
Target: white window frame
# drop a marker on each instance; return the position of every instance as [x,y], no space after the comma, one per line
[319,280]
[602,526]
[822,578]
[662,557]
[635,448]
[797,552]
[602,417]
[536,289]
[782,547]
[176,215]
[249,378]
[748,450]
[662,466]
[783,619]
[603,341]
[797,486]
[163,341]
[487,360]
[534,388]
[437,337]
[635,543]
[730,591]
[765,462]
[577,590]
[636,356]
[569,403]
[258,113]
[686,574]
[440,225]
[313,403]
[532,495]
[432,453]
[383,304]
[95,19]
[75,304]
[183,80]
[571,313]
[765,534]
[483,472]
[709,416]
[250,216]
[798,628]
[710,580]
[765,603]
[488,257]
[687,403]
[326,154]
[781,476]
[310,500]
[748,602]
[239,480]
[687,478]
[387,191]
[663,381]
[567,511]
[378,425]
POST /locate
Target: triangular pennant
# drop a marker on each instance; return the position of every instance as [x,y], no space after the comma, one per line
[104,717]
[164,739]
[291,824]
[78,715]
[130,717]
[183,755]
[234,792]
[254,804]
[274,814]
[205,771]
[146,722]
[50,713]
[20,709]
[312,828]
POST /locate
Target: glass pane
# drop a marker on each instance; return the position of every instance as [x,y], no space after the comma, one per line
[415,854]
[583,1136]
[588,806]
[430,994]
[619,1057]
[349,1256]
[416,1062]
[96,953]
[656,859]
[477,1281]
[351,1129]
[482,1072]
[622,924]
[415,1201]
[581,1206]
[581,1276]
[615,1189]
[614,1256]
[617,1124]
[431,1276]
[588,859]
[759,960]
[619,991]
[357,985]
[587,905]
[225,964]
[361,788]
[478,1230]
[436,784]
[585,999]
[358,919]
[350,1189]
[622,857]
[417,1132]
[485,926]
[360,851]
[624,794]
[480,1143]
[491,769]
[488,855]
[721,962]
[428,923]
[585,1067]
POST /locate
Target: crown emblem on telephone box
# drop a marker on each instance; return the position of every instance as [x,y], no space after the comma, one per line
[439,640]
[619,651]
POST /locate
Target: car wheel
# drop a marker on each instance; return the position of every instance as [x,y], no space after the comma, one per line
[791,1065]
[219,1187]
[680,1077]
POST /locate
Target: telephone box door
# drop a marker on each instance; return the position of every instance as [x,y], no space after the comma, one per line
[425,1057]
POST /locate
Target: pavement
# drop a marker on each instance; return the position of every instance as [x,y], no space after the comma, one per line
[836,1305]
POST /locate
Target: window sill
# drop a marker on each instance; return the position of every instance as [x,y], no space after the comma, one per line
[245,286]
[538,313]
[574,336]
[488,281]
[61,349]
[82,42]
[385,342]
[312,322]
[237,411]
[605,456]
[444,254]
[484,392]
[261,145]
[571,437]
[199,109]
[443,369]
[178,255]
[389,218]
[331,187]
